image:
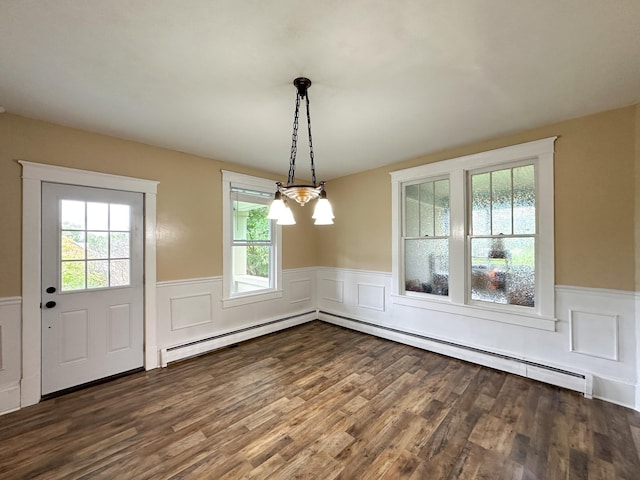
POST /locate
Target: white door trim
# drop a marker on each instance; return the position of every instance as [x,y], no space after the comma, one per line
[33,174]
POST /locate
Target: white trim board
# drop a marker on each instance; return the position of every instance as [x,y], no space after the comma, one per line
[33,174]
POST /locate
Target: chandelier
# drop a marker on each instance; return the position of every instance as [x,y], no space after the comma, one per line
[280,210]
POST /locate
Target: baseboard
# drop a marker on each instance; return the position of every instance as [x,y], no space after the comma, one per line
[209,344]
[9,398]
[616,391]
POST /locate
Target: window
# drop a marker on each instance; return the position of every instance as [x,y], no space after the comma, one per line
[251,241]
[502,234]
[426,237]
[474,235]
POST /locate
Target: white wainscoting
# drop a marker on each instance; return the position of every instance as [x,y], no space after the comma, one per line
[192,320]
[10,351]
[596,335]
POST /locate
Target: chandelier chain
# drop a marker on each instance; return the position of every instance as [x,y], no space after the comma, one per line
[313,166]
[294,144]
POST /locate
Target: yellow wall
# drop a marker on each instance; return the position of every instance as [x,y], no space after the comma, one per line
[189,208]
[637,199]
[594,202]
[597,172]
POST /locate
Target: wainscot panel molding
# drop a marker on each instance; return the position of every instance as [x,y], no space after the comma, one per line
[10,353]
[192,320]
[593,347]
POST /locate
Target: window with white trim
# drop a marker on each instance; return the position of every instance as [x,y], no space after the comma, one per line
[474,235]
[502,235]
[252,250]
[426,236]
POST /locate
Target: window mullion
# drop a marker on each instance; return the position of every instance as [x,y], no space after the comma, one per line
[457,239]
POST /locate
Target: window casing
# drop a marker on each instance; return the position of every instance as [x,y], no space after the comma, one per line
[252,247]
[499,239]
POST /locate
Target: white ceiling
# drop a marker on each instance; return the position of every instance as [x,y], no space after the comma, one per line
[391,79]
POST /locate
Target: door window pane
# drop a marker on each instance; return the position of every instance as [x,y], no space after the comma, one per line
[72,276]
[95,245]
[119,272]
[72,245]
[72,214]
[119,245]
[119,218]
[97,216]
[97,273]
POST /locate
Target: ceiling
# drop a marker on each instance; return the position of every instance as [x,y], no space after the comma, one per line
[391,79]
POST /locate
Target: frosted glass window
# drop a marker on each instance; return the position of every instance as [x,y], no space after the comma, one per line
[426,239]
[412,211]
[502,235]
[524,200]
[503,202]
[95,245]
[501,208]
[427,266]
[477,232]
[503,270]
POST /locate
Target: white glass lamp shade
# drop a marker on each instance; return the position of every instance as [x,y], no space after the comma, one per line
[287,217]
[276,210]
[323,213]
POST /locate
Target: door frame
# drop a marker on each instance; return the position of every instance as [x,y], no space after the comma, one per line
[33,174]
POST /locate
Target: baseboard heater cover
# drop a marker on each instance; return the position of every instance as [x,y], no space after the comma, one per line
[580,382]
[215,342]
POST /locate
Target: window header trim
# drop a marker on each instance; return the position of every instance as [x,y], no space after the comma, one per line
[511,154]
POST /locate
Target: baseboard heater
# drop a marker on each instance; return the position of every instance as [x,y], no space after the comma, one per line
[580,382]
[215,342]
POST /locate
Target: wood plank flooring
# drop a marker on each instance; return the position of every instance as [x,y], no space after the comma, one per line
[321,402]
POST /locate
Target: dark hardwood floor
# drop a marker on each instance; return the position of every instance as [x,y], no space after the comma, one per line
[321,402]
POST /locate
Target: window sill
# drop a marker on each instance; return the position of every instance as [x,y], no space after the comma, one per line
[506,315]
[247,298]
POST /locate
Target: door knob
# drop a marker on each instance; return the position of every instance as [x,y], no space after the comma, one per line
[50,304]
[51,290]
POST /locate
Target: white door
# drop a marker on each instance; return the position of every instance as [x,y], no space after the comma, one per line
[92,284]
